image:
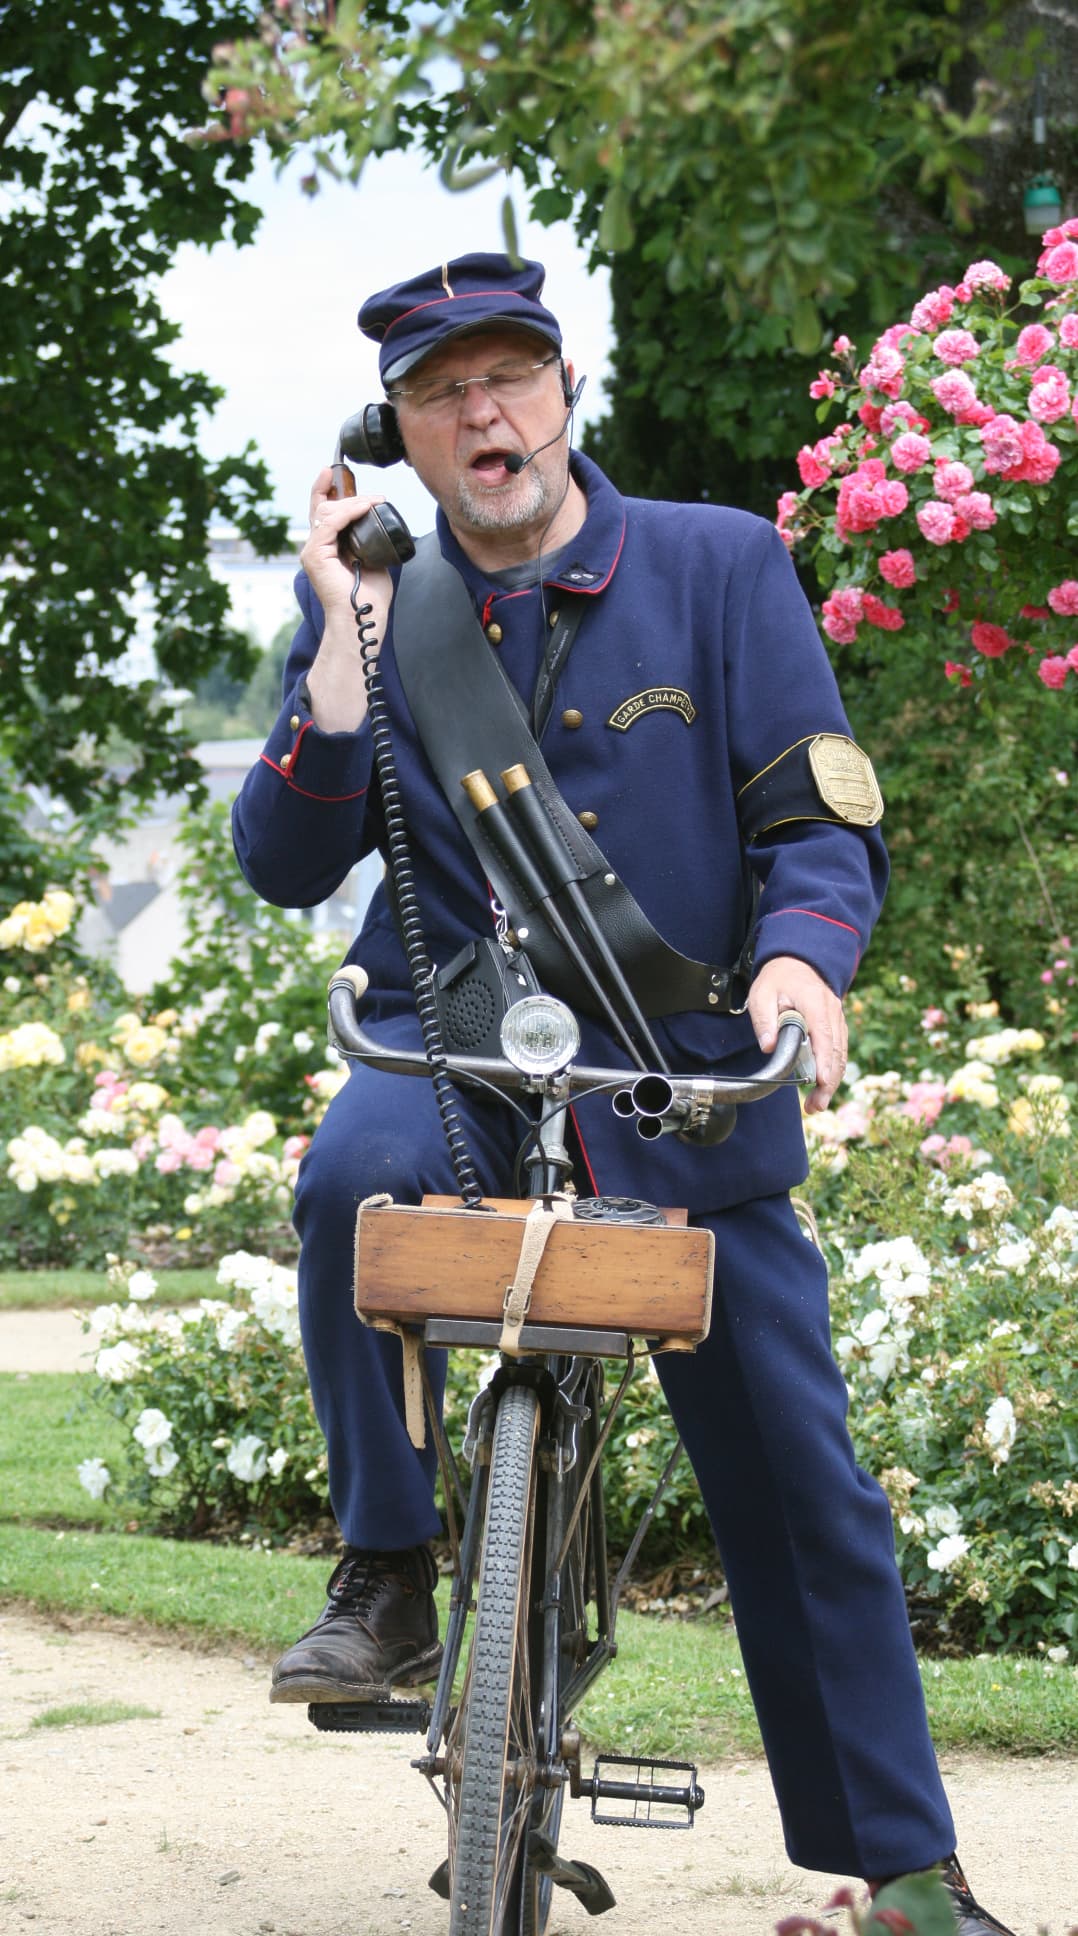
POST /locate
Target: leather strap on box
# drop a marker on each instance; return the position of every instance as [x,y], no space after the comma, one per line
[538,1224]
[411,1342]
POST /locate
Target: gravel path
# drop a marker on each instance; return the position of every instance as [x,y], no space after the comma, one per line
[220,1814]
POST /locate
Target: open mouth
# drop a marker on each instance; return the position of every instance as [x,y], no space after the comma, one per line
[490,466]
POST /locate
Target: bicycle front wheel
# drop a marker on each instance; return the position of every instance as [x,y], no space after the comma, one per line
[491,1753]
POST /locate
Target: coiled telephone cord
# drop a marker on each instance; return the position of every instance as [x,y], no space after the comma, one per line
[403,877]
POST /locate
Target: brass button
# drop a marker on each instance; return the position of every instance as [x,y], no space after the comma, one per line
[294,722]
[553,619]
[572,718]
[494,632]
[286,759]
[588,820]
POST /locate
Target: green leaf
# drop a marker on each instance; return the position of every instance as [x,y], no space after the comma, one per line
[509,231]
[806,327]
[809,250]
[922,1899]
[616,230]
[457,178]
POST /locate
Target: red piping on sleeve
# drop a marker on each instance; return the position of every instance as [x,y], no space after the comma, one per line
[813,916]
[331,799]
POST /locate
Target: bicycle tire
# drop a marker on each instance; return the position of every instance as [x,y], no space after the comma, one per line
[489,1809]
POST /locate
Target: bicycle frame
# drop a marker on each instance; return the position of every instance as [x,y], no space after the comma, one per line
[546,1653]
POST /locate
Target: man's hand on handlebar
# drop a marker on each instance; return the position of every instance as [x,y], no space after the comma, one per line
[786,982]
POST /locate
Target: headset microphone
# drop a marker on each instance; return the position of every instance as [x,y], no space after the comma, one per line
[514,463]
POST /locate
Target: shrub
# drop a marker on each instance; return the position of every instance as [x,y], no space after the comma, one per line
[949,583]
[136,1125]
[942,503]
[223,1438]
[948,1210]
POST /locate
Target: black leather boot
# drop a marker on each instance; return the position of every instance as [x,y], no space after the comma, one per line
[970,1919]
[379,1629]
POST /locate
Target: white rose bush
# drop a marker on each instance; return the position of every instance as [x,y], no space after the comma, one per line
[177,1124]
[949,1211]
[221,1436]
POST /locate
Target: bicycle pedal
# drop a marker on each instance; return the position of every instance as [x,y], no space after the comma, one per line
[655,1799]
[370,1717]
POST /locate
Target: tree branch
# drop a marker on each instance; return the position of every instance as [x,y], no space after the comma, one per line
[21,97]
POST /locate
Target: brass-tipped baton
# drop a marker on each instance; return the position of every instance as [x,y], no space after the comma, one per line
[494,818]
[561,871]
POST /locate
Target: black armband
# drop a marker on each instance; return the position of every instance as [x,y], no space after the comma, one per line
[824,777]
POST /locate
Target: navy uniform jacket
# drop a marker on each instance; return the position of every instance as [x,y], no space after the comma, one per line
[689,600]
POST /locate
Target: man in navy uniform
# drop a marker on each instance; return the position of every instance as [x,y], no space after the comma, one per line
[697,671]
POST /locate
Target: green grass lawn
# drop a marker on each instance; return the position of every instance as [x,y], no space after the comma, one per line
[48,1424]
[80,1289]
[677,1687]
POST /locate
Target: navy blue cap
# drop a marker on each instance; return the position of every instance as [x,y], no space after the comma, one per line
[414,318]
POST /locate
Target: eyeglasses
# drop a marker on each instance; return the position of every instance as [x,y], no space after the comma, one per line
[513,383]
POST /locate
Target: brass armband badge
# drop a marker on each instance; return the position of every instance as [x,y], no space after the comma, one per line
[844,780]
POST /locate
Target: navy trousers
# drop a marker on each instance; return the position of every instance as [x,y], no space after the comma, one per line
[804,1535]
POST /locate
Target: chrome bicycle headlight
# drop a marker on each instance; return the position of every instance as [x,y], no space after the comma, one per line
[540,1036]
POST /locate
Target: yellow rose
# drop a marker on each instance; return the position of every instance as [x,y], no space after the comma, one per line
[58,907]
[259,1128]
[78,1001]
[39,933]
[146,1096]
[1046,1115]
[167,1018]
[144,1044]
[30,1045]
[88,1053]
[973,1083]
[11,931]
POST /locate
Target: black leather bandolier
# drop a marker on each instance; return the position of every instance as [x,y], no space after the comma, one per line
[470,717]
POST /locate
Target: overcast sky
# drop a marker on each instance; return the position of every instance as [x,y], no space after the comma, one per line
[274,324]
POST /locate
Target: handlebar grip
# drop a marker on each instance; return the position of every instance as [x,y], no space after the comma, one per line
[352,976]
[804,1068]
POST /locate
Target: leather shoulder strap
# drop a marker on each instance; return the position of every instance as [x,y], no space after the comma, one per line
[469,717]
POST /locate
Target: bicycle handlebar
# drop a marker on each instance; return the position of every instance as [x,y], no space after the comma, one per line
[675,1102]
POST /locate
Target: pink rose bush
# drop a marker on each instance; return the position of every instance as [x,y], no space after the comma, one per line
[955,487]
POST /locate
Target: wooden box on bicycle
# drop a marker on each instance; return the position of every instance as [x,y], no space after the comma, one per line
[440,1260]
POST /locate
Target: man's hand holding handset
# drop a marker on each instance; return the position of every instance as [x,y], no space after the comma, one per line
[335,681]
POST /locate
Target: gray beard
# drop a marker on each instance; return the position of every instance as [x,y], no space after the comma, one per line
[508,512]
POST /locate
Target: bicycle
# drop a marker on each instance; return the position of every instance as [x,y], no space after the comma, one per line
[529,1553]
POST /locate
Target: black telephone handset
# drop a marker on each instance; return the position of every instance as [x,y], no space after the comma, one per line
[381,538]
